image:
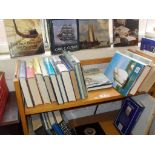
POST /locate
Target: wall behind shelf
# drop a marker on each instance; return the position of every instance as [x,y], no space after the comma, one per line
[8,65]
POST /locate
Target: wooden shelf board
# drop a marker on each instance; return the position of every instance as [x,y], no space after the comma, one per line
[94,97]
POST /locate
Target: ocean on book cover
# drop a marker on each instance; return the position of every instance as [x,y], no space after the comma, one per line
[24,37]
[123,72]
[94,33]
[63,35]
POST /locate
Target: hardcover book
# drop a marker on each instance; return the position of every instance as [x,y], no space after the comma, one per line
[24,37]
[63,35]
[125,32]
[123,72]
[148,45]
[128,115]
[94,33]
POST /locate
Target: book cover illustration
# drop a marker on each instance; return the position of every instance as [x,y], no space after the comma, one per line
[93,33]
[125,32]
[123,72]
[64,35]
[128,115]
[24,37]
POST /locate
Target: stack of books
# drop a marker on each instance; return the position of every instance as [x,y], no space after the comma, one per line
[130,73]
[48,123]
[51,79]
[3,94]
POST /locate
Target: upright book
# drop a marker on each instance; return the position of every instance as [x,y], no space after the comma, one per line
[94,33]
[123,71]
[128,116]
[63,35]
[24,37]
[125,32]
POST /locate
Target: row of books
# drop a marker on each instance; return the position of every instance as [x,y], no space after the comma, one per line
[3,94]
[136,115]
[131,73]
[48,123]
[50,79]
[67,34]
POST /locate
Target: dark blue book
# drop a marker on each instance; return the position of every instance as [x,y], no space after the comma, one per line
[128,116]
[57,129]
[148,45]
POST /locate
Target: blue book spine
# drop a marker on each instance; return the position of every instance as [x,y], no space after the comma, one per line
[22,71]
[132,79]
[57,129]
[49,67]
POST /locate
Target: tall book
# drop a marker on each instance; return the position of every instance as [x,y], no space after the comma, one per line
[75,63]
[123,71]
[144,123]
[24,84]
[32,83]
[47,81]
[40,81]
[54,81]
[24,37]
[128,116]
[54,61]
[125,32]
[94,33]
[65,75]
[72,75]
[63,35]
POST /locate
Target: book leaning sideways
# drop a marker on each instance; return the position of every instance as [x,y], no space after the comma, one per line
[24,37]
[123,71]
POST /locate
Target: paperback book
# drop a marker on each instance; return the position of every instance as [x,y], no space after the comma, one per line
[63,35]
[125,32]
[24,37]
[93,33]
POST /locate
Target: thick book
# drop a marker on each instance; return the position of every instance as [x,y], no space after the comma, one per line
[47,81]
[125,32]
[40,81]
[72,75]
[94,33]
[144,122]
[128,116]
[63,35]
[54,80]
[148,45]
[123,71]
[55,60]
[32,83]
[24,84]
[95,78]
[24,37]
[75,63]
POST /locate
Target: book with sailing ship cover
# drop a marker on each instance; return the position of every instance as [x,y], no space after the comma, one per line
[24,37]
[94,33]
[63,35]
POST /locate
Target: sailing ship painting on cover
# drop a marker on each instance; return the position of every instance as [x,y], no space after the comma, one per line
[94,33]
[24,37]
[125,32]
[64,35]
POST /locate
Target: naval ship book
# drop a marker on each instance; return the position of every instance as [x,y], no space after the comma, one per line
[123,71]
[128,116]
[94,33]
[63,35]
[24,37]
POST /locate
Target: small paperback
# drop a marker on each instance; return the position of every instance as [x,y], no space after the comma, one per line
[95,78]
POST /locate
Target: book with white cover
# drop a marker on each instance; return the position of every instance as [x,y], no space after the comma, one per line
[47,81]
[40,81]
[66,81]
[57,116]
[144,122]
